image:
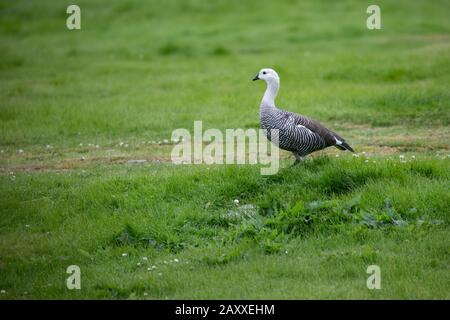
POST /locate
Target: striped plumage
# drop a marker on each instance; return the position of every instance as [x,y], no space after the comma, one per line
[297,133]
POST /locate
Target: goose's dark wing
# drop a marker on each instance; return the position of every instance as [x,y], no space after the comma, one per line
[329,137]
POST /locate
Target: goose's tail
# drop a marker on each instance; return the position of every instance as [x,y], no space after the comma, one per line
[344,146]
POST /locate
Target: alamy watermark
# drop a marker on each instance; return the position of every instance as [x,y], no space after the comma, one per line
[74,280]
[374,280]
[236,146]
[373,22]
[73,21]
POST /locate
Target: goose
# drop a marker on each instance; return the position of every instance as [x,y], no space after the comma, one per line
[299,134]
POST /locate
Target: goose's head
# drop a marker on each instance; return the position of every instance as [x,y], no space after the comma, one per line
[268,75]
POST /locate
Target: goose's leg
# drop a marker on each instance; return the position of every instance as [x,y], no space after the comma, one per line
[298,159]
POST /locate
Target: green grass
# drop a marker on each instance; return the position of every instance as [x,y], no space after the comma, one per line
[116,89]
[309,232]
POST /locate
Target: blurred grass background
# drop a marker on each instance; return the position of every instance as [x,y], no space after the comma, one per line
[144,68]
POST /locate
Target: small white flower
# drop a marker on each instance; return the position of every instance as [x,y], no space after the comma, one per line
[149,269]
[144,258]
[27,226]
[3,291]
[413,157]
[121,144]
[153,267]
[176,260]
[366,160]
[145,294]
[138,264]
[124,254]
[82,158]
[20,151]
[337,156]
[402,156]
[236,201]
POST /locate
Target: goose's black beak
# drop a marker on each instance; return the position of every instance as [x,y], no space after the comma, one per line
[256,78]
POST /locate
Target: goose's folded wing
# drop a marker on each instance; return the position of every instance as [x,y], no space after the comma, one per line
[328,137]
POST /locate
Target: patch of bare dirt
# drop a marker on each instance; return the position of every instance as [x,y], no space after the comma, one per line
[70,164]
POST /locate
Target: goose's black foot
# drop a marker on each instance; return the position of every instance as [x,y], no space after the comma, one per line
[296,163]
[298,160]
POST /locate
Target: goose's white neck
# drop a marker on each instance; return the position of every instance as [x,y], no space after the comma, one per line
[268,99]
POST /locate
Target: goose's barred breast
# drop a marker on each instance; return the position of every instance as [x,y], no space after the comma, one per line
[297,133]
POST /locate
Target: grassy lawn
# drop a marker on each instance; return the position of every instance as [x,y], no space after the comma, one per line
[76,106]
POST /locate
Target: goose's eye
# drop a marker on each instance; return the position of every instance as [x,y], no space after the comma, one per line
[264,72]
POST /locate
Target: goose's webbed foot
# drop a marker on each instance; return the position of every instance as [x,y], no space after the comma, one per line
[298,160]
